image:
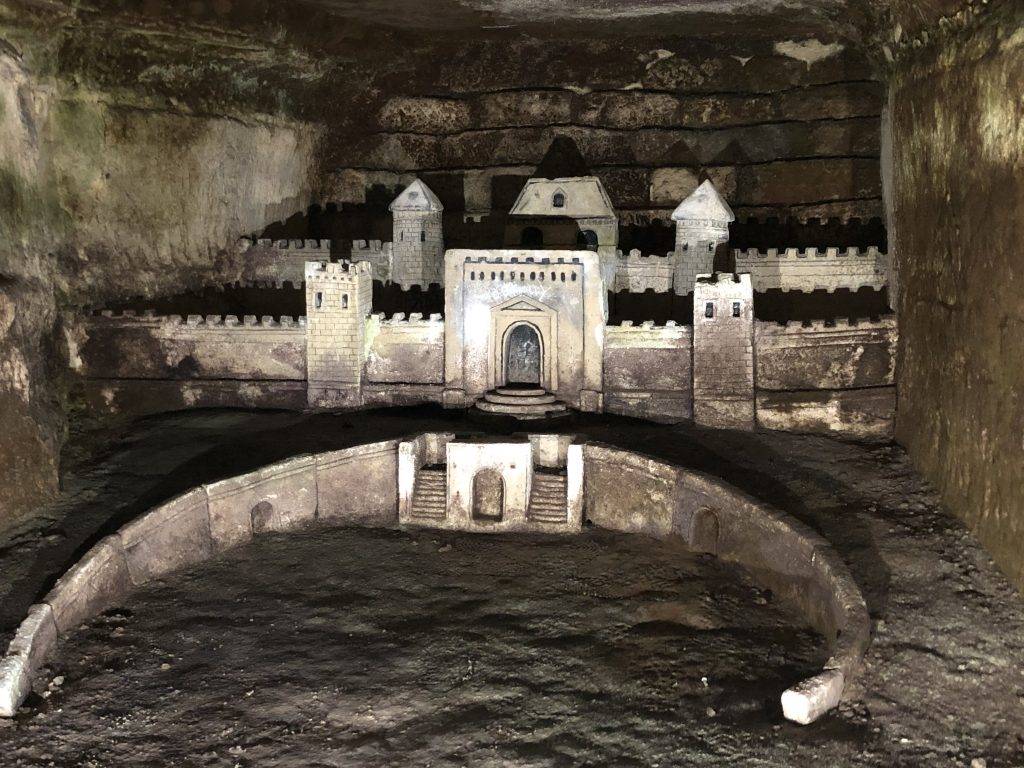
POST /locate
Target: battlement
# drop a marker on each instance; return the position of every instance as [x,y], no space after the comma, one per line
[414,318]
[246,243]
[754,254]
[543,260]
[839,324]
[338,271]
[636,257]
[738,280]
[149,318]
[646,325]
[370,247]
[814,269]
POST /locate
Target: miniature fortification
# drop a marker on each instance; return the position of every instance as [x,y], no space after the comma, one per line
[525,331]
[532,482]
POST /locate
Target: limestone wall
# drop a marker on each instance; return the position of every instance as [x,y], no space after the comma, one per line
[647,370]
[280,261]
[777,135]
[196,347]
[813,269]
[723,351]
[957,133]
[637,273]
[405,351]
[561,294]
[845,354]
[833,378]
[379,255]
[626,491]
[369,484]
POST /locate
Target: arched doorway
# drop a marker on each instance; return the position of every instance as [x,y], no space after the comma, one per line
[587,238]
[531,237]
[704,531]
[522,355]
[488,496]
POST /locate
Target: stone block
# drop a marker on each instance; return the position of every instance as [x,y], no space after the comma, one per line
[806,702]
[35,638]
[174,535]
[628,492]
[96,582]
[359,484]
[15,684]
[275,498]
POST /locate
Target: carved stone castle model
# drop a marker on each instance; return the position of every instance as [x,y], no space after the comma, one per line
[525,329]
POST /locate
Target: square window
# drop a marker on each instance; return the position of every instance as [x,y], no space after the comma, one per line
[709,309]
[735,309]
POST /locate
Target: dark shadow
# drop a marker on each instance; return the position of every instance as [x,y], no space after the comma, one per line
[562,159]
[649,305]
[781,306]
[772,232]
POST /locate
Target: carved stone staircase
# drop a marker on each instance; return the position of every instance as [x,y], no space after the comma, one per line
[522,403]
[429,497]
[548,502]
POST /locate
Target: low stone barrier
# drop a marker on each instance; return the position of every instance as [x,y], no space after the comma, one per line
[192,528]
[629,492]
[620,490]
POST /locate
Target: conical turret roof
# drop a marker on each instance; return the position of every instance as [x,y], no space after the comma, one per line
[416,197]
[704,203]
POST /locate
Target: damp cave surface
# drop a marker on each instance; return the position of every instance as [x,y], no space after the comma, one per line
[941,683]
[379,647]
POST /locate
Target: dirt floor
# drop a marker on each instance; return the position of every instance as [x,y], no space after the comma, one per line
[350,647]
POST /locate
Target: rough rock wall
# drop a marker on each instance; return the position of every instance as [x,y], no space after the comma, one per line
[103,197]
[958,206]
[778,134]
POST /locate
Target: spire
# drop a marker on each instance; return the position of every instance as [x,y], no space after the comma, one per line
[416,197]
[704,203]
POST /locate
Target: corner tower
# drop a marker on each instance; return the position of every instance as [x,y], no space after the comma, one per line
[338,300]
[702,224]
[723,351]
[417,237]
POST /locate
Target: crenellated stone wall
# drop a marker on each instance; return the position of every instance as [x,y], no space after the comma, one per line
[405,351]
[647,370]
[813,269]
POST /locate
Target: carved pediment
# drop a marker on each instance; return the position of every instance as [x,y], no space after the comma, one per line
[522,304]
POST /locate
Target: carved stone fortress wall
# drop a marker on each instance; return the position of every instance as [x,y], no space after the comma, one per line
[723,351]
[537,318]
[338,300]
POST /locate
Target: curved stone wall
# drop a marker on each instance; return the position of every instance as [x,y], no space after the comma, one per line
[623,491]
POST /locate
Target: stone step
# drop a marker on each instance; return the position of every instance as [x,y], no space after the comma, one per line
[546,518]
[522,411]
[520,391]
[432,498]
[547,487]
[547,500]
[431,514]
[545,398]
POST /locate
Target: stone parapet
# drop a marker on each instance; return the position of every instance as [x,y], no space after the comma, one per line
[813,269]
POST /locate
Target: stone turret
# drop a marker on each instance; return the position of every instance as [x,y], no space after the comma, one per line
[702,224]
[417,238]
[723,351]
[339,298]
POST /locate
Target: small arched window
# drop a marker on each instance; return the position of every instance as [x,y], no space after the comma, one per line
[558,200]
[423,235]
